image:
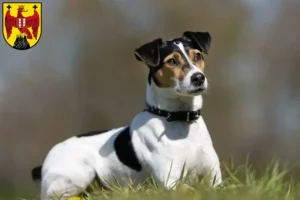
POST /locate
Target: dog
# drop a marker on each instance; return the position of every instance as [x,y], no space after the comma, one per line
[167,139]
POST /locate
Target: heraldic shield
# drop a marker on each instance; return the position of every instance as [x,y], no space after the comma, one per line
[22,24]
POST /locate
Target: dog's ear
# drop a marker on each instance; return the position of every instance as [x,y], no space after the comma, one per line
[149,53]
[200,39]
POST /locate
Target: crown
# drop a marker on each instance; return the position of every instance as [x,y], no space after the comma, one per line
[21,6]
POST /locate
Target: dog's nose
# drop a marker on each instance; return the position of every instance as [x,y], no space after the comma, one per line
[197,79]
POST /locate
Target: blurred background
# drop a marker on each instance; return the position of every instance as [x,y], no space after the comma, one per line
[82,76]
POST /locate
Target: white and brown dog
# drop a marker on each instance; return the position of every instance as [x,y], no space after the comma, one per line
[166,136]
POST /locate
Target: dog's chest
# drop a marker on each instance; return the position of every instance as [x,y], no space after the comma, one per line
[179,142]
[182,142]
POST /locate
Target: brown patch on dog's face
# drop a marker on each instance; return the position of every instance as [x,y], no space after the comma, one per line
[196,58]
[174,67]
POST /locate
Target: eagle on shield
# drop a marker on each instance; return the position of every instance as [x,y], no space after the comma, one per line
[22,23]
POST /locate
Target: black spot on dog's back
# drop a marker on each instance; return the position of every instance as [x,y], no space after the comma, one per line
[36,173]
[125,151]
[92,133]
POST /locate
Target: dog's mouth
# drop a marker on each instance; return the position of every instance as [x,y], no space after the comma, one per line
[194,92]
[198,90]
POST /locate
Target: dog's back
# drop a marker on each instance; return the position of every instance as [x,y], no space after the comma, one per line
[76,162]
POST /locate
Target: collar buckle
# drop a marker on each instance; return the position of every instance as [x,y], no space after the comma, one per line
[168,116]
[188,116]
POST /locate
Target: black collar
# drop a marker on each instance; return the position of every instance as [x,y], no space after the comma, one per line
[185,116]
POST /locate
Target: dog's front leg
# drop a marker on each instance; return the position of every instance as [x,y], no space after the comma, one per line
[167,174]
[210,165]
[215,176]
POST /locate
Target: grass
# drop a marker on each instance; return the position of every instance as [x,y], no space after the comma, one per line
[241,182]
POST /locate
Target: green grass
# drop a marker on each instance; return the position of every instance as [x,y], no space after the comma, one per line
[242,183]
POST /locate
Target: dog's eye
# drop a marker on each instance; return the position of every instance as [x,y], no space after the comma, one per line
[172,62]
[198,57]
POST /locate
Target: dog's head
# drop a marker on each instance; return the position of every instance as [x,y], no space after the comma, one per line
[177,64]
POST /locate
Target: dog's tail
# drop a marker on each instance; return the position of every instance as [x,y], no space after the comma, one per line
[36,173]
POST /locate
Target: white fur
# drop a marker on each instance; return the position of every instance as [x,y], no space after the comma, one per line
[70,166]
